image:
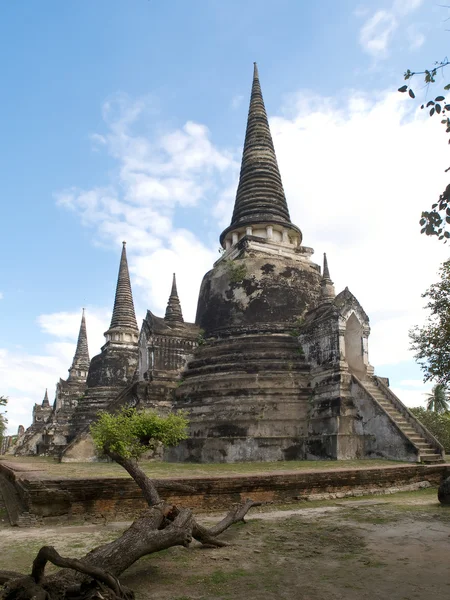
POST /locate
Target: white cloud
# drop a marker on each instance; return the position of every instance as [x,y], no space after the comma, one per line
[415,38]
[404,7]
[357,180]
[412,393]
[376,33]
[1,295]
[378,30]
[25,376]
[159,174]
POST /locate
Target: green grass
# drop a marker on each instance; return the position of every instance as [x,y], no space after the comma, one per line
[168,470]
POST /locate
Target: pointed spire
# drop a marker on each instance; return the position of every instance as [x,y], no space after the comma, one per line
[327,291]
[81,360]
[260,196]
[326,271]
[123,313]
[173,310]
[45,402]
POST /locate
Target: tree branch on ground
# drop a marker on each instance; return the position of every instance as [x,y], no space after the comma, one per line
[123,437]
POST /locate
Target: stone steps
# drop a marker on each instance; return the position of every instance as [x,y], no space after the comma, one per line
[276,356]
[233,345]
[272,366]
[426,450]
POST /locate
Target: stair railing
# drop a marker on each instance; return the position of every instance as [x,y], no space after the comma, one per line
[405,412]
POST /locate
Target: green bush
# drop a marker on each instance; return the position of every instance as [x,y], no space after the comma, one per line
[130,432]
[437,424]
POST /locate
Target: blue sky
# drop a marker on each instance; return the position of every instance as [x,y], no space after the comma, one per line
[124,119]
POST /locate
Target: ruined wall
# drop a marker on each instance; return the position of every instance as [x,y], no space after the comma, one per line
[121,499]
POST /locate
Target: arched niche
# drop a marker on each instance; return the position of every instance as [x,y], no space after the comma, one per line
[354,346]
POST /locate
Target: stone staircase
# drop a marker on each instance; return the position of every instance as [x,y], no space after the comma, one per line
[429,452]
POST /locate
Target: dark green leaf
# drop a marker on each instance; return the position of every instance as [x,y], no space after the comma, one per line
[411,93]
[432,112]
[447,234]
[447,87]
[403,88]
[422,222]
[438,108]
[439,98]
[430,103]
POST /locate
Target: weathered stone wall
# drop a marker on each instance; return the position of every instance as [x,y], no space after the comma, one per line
[120,499]
[256,291]
[380,434]
[247,399]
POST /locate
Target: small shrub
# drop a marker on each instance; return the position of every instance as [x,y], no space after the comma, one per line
[437,424]
[236,271]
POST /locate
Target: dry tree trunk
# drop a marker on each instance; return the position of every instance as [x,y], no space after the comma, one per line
[96,574]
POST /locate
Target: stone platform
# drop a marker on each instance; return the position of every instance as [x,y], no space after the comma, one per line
[32,497]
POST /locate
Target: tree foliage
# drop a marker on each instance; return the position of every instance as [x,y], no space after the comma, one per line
[431,343]
[434,222]
[3,419]
[437,400]
[130,433]
[436,423]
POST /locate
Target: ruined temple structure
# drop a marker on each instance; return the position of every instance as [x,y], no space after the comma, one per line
[49,431]
[133,370]
[275,366]
[283,372]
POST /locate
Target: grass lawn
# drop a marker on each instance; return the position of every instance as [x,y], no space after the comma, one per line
[166,470]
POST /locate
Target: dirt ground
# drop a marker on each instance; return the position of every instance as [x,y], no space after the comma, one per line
[392,547]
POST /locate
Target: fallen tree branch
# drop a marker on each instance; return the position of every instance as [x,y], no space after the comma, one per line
[49,554]
[7,575]
[208,537]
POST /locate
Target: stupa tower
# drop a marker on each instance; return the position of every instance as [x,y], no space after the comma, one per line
[115,367]
[80,364]
[246,387]
[265,276]
[260,208]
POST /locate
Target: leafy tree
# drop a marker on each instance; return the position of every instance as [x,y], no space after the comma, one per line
[437,400]
[431,343]
[3,419]
[437,424]
[434,222]
[124,437]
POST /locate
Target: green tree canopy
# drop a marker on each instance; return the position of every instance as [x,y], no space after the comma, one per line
[130,433]
[434,222]
[437,400]
[436,423]
[431,343]
[3,419]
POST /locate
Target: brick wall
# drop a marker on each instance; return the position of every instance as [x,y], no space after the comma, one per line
[120,499]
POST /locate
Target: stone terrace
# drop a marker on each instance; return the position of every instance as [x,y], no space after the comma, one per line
[37,491]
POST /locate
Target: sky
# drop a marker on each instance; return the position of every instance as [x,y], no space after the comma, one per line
[125,120]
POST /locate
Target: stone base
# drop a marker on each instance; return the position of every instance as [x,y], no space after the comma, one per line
[267,449]
[236,449]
